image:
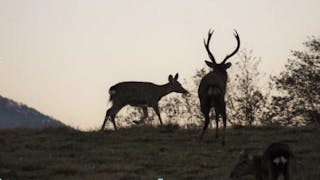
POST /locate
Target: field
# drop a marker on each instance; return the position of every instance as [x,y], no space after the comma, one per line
[145,152]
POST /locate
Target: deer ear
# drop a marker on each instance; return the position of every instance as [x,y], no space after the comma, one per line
[228,65]
[210,64]
[170,78]
[176,76]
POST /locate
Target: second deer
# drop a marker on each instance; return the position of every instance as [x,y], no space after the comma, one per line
[277,160]
[212,88]
[140,94]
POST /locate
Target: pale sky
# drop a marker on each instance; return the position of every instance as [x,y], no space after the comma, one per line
[61,57]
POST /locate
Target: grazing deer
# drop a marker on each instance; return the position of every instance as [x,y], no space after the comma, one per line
[277,160]
[140,94]
[212,88]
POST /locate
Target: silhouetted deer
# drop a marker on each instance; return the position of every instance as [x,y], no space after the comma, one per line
[212,88]
[140,94]
[277,160]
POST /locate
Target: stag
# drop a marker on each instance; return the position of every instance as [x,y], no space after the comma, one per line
[140,94]
[277,160]
[212,88]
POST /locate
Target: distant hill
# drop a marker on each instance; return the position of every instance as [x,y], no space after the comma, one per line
[13,114]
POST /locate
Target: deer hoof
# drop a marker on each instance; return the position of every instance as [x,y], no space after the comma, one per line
[136,122]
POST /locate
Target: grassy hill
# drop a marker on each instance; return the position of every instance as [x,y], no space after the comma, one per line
[144,152]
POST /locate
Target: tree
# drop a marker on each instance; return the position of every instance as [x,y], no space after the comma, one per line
[245,99]
[299,99]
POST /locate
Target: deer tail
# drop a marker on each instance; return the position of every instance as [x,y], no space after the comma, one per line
[214,91]
[112,93]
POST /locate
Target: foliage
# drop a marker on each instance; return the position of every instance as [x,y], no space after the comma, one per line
[299,99]
[245,99]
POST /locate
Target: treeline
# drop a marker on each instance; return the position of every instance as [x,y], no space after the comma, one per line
[291,98]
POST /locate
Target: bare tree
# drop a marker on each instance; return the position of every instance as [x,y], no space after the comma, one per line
[212,88]
[246,100]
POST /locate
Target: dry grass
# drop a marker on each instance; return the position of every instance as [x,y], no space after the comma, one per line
[144,152]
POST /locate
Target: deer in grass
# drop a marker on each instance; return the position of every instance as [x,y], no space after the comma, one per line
[140,94]
[277,160]
[212,88]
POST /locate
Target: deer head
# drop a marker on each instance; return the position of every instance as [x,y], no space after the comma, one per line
[245,165]
[175,85]
[223,66]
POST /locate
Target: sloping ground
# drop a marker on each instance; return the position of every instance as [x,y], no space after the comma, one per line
[144,152]
[13,114]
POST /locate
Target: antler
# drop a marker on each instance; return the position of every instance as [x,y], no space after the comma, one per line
[206,44]
[236,50]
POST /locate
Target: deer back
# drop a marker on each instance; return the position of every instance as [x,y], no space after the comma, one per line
[213,85]
[134,93]
[144,93]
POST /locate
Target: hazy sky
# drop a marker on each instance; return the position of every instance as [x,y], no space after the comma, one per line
[61,57]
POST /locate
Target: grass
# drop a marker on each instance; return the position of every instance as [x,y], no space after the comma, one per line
[145,152]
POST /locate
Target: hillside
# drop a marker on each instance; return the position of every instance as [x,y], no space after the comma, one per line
[143,152]
[13,114]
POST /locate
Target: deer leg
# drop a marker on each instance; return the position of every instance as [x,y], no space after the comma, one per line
[156,109]
[144,116]
[224,118]
[112,113]
[287,173]
[271,173]
[105,119]
[206,123]
[274,176]
[113,122]
[217,124]
[287,176]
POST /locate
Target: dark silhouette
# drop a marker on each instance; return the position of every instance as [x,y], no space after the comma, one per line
[277,160]
[140,94]
[299,100]
[17,115]
[248,106]
[212,88]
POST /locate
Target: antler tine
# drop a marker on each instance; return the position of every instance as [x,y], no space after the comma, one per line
[206,45]
[236,50]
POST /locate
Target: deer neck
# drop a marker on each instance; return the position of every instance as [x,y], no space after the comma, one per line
[218,78]
[222,74]
[258,167]
[164,90]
